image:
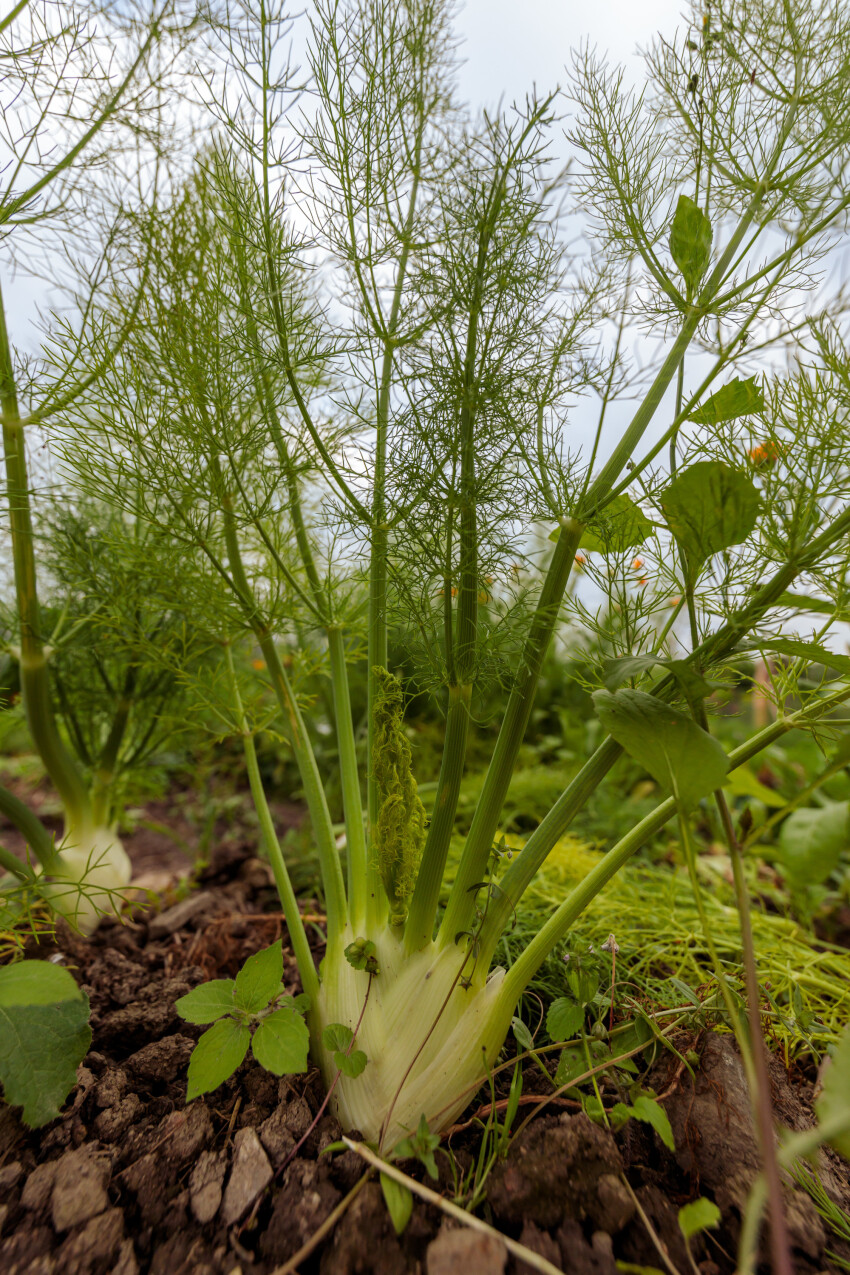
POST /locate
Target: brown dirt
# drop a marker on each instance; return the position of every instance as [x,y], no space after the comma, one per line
[131,1180]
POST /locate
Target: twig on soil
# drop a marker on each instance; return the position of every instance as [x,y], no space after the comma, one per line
[502,1105]
[327,1226]
[234,1113]
[533,1259]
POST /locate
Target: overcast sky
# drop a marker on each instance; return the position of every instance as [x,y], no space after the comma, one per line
[511,44]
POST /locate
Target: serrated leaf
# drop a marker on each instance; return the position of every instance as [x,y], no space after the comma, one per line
[690,241]
[708,507]
[700,1215]
[812,840]
[737,398]
[833,1104]
[811,651]
[281,1043]
[564,1019]
[669,744]
[583,983]
[208,1002]
[259,979]
[399,1202]
[351,1065]
[621,525]
[44,1036]
[216,1056]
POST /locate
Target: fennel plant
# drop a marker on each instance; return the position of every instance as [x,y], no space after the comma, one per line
[346,396]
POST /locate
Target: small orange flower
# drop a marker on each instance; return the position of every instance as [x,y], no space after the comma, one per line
[674,602]
[580,559]
[454,592]
[483,596]
[637,564]
[765,454]
[643,581]
[259,665]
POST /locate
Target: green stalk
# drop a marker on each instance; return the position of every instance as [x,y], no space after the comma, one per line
[426,896]
[523,970]
[355,830]
[297,933]
[108,758]
[35,678]
[479,842]
[314,793]
[39,840]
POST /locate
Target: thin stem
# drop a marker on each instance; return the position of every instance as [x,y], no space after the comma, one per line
[292,916]
[35,678]
[486,818]
[779,1240]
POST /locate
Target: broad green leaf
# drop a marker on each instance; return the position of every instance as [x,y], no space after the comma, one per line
[44,1036]
[700,1215]
[690,241]
[522,1035]
[281,1043]
[708,507]
[619,671]
[738,398]
[351,1065]
[833,1104]
[208,1002]
[583,983]
[811,651]
[668,743]
[571,1064]
[811,842]
[399,1202]
[564,1019]
[743,783]
[337,1036]
[647,1109]
[216,1056]
[259,979]
[621,525]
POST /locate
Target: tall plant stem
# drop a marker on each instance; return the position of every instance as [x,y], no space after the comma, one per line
[780,1246]
[426,895]
[523,970]
[376,900]
[297,933]
[355,828]
[314,793]
[35,677]
[485,821]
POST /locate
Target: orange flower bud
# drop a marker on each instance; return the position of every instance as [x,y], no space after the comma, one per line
[580,559]
[637,564]
[258,665]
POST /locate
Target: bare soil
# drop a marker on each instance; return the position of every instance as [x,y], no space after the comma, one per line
[130,1179]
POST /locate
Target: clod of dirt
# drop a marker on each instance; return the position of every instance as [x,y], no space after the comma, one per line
[163,1060]
[711,1119]
[364,1240]
[10,1175]
[637,1245]
[553,1172]
[539,1242]
[93,1247]
[205,1185]
[580,1258]
[79,1188]
[457,1252]
[173,919]
[303,1204]
[38,1186]
[249,1177]
[112,1123]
